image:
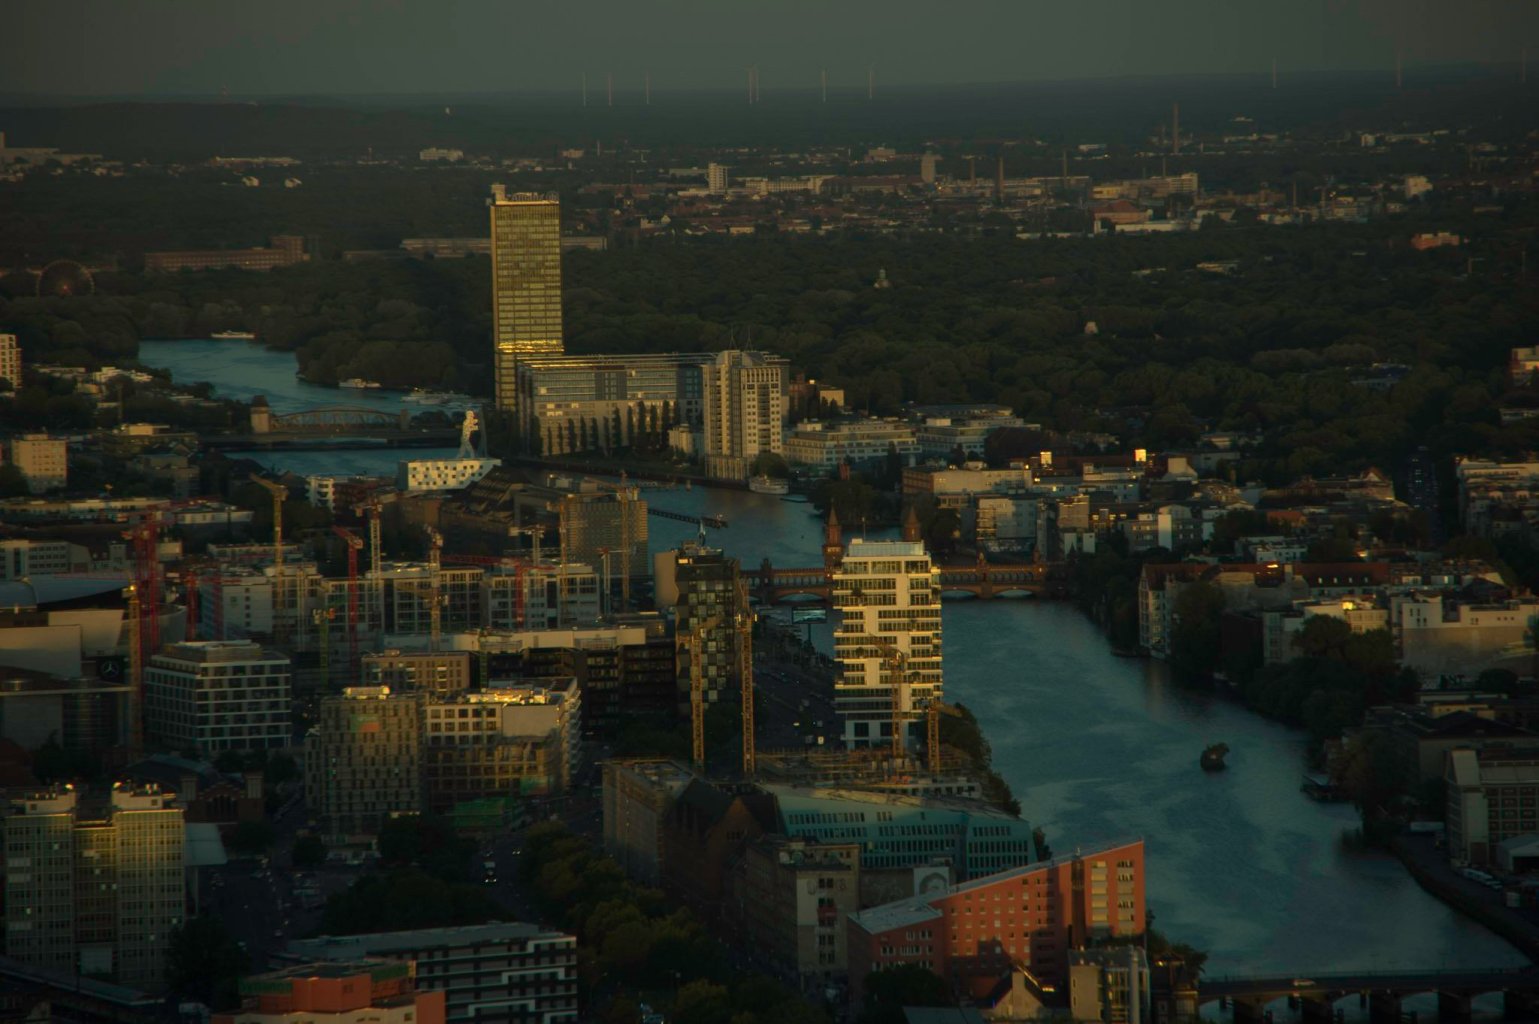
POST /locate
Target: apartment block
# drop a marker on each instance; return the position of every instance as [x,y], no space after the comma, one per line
[20,558]
[822,445]
[218,695]
[788,898]
[1493,796]
[745,411]
[497,973]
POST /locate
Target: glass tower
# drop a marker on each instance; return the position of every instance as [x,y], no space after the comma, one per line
[526,283]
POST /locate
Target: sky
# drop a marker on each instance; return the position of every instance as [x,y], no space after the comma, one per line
[344,47]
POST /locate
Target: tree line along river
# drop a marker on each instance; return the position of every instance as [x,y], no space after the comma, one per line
[1096,747]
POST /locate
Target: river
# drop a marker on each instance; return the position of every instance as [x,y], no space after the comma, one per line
[1096,747]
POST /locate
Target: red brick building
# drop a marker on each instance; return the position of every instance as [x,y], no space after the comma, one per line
[380,991]
[1029,917]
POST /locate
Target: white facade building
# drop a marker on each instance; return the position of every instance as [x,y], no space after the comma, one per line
[19,558]
[823,445]
[43,459]
[214,695]
[888,596]
[745,411]
[441,474]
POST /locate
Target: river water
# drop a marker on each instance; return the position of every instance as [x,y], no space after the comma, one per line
[1098,748]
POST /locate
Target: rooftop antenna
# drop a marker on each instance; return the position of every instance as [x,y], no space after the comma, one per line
[1175,128]
[823,79]
[585,88]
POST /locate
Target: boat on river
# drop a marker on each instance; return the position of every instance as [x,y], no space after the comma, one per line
[233,336]
[1212,759]
[358,383]
[769,485]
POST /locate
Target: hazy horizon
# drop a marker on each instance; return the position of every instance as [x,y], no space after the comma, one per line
[143,49]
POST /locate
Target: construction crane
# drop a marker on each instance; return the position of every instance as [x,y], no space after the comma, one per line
[697,689]
[744,624]
[435,568]
[374,508]
[135,674]
[895,662]
[322,618]
[354,545]
[933,709]
[625,496]
[280,494]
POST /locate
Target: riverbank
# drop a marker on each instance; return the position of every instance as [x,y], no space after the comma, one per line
[1429,866]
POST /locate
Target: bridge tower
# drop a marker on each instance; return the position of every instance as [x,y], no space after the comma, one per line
[833,542]
[261,415]
[911,524]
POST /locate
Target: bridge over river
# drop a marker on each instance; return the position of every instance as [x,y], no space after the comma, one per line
[1381,991]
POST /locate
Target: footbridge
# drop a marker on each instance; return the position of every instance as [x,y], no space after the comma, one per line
[1316,995]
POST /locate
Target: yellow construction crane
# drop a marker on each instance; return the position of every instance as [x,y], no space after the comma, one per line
[895,662]
[435,584]
[744,624]
[279,494]
[697,689]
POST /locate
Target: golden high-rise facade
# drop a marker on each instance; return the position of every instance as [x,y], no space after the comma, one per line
[526,283]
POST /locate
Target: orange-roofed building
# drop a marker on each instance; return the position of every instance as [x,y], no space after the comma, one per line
[376,992]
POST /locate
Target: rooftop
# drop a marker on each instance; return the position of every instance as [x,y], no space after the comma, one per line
[861,548]
[913,910]
[353,947]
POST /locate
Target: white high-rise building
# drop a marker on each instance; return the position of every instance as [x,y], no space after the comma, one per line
[716,178]
[889,638]
[10,360]
[745,411]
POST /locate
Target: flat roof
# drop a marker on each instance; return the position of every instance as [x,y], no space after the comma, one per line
[860,548]
[353,947]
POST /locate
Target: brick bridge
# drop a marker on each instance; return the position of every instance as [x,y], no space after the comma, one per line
[1382,992]
[982,580]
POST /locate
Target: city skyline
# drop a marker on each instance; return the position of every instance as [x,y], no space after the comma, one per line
[360,48]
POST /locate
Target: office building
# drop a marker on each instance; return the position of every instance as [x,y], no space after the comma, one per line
[711,599]
[788,898]
[822,446]
[23,558]
[376,992]
[637,796]
[543,596]
[94,889]
[82,715]
[10,361]
[363,760]
[596,403]
[899,832]
[745,411]
[218,695]
[1110,984]
[285,250]
[511,973]
[606,528]
[1031,917]
[43,460]
[441,673]
[441,474]
[1493,796]
[502,742]
[526,283]
[888,642]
